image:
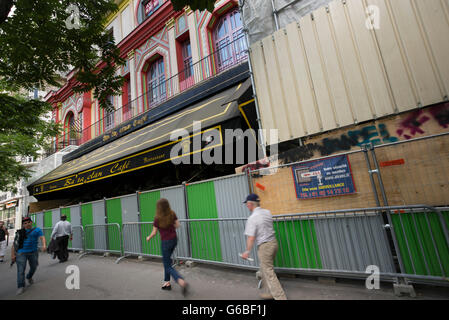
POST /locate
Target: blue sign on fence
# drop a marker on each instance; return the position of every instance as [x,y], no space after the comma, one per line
[323,178]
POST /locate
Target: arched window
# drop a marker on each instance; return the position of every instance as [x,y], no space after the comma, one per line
[155,76]
[69,129]
[229,40]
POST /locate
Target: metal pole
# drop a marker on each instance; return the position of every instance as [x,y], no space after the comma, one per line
[186,205]
[259,122]
[376,196]
[139,219]
[379,176]
[275,15]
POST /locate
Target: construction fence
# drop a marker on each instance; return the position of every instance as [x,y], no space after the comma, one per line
[333,216]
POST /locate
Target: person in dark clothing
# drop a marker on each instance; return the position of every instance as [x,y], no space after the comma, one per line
[28,252]
[62,231]
[166,223]
[3,234]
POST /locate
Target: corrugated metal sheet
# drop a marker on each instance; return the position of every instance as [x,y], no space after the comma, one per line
[204,236]
[353,243]
[40,220]
[98,216]
[131,238]
[230,192]
[129,208]
[416,233]
[55,216]
[75,215]
[330,70]
[147,202]
[175,197]
[298,245]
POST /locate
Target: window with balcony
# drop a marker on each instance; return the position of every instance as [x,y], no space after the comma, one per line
[127,111]
[229,42]
[109,116]
[156,86]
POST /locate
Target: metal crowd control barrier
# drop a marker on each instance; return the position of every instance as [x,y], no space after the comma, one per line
[47,234]
[134,236]
[421,240]
[348,241]
[103,238]
[77,242]
[340,243]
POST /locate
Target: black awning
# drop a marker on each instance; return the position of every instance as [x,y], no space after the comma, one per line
[146,147]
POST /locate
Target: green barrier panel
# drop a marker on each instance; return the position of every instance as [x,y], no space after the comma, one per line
[87,219]
[298,245]
[66,211]
[114,215]
[204,236]
[48,224]
[33,218]
[147,202]
[419,255]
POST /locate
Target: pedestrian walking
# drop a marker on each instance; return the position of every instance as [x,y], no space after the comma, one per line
[3,234]
[166,222]
[62,231]
[25,249]
[259,230]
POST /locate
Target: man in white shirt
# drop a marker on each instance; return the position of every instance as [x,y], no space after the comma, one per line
[61,233]
[259,229]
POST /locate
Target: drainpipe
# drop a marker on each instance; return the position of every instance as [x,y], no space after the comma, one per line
[275,14]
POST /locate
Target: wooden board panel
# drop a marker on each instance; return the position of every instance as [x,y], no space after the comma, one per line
[423,178]
[280,195]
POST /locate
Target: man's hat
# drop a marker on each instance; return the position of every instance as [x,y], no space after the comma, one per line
[252,197]
[26,219]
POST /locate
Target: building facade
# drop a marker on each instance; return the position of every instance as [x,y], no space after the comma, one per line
[181,67]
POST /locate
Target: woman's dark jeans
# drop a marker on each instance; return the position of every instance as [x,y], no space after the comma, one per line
[168,246]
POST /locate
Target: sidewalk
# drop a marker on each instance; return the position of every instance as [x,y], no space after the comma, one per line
[101,278]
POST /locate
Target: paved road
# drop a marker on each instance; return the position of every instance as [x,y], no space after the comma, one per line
[101,278]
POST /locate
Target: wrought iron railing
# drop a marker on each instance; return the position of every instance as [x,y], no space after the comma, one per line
[224,58]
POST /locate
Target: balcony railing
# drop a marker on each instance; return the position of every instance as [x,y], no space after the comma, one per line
[224,58]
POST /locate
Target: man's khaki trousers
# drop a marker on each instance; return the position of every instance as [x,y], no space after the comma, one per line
[266,253]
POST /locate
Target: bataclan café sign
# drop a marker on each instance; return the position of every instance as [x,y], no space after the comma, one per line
[141,160]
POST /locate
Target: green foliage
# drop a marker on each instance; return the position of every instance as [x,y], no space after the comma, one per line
[23,131]
[42,40]
[194,4]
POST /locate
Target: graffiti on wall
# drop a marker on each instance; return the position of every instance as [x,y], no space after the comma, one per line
[410,126]
[428,121]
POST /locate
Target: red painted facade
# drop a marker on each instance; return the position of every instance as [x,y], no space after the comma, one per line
[166,54]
